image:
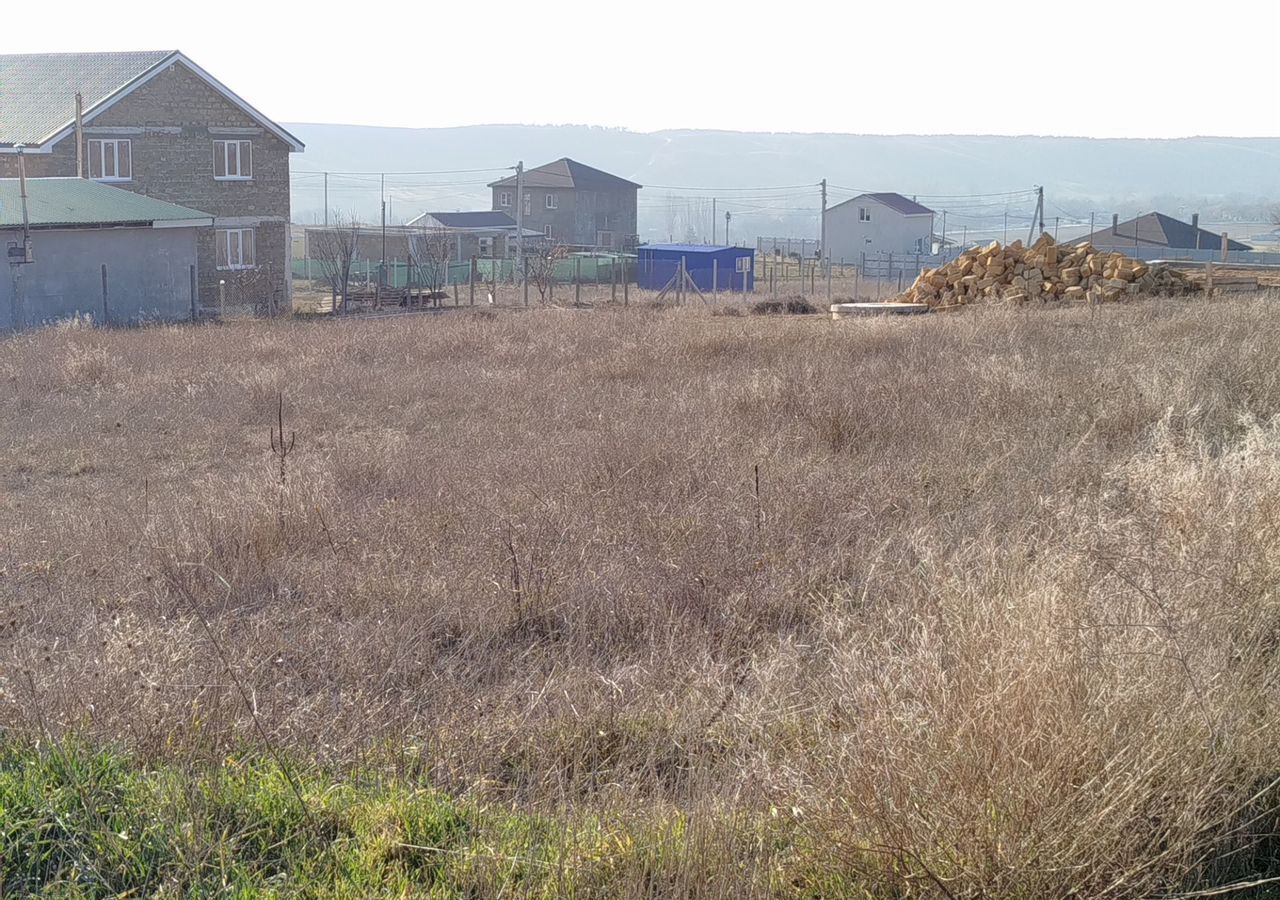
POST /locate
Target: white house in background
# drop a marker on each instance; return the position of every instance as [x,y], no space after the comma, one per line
[877,224]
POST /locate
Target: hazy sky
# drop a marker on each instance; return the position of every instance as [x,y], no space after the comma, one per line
[1122,68]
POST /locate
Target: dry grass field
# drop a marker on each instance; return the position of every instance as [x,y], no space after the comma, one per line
[645,603]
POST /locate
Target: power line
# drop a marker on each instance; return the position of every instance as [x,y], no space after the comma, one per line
[438,172]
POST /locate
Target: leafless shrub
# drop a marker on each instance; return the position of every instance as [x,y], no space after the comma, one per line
[335,250]
[431,249]
[541,260]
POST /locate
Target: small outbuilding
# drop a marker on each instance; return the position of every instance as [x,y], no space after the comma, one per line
[712,268]
[98,251]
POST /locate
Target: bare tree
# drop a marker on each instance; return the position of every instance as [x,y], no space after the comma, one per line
[334,248]
[541,258]
[431,249]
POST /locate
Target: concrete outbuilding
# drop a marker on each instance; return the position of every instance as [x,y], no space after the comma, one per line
[711,267]
[112,255]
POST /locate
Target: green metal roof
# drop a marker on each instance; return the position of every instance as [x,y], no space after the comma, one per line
[79,202]
[38,90]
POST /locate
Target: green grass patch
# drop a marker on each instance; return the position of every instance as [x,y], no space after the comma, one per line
[80,822]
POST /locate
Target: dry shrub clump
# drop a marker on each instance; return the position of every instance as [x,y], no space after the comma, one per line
[974,606]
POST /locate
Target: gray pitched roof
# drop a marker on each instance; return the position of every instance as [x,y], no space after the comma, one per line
[895,202]
[38,90]
[899,203]
[569,173]
[53,202]
[1158,230]
[481,219]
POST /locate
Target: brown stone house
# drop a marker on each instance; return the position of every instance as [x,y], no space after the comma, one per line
[574,204]
[157,124]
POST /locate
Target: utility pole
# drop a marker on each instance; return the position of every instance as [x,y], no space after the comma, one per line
[713,221]
[520,267]
[79,135]
[326,201]
[1006,226]
[727,217]
[1037,218]
[822,232]
[944,234]
[382,264]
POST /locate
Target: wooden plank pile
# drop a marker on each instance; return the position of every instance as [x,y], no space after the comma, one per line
[1045,271]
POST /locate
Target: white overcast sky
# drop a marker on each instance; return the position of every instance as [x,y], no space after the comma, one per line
[1120,68]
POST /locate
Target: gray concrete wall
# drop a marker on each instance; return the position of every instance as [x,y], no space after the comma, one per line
[888,231]
[148,276]
[580,215]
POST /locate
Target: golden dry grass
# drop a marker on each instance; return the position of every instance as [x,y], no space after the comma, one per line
[1001,619]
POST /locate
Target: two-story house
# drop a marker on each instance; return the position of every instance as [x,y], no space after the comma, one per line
[157,124]
[573,204]
[876,224]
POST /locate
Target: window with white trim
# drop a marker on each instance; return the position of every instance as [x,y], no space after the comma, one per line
[504,198]
[232,160]
[546,231]
[552,202]
[235,248]
[485,246]
[110,160]
[864,214]
[528,204]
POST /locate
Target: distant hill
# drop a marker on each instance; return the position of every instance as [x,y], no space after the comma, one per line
[1222,178]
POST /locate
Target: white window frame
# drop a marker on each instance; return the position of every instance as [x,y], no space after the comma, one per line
[552,201]
[546,232]
[227,238]
[504,199]
[864,214]
[484,246]
[98,150]
[229,149]
[528,203]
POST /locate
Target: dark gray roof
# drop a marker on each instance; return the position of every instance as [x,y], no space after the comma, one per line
[490,219]
[901,204]
[38,90]
[480,219]
[71,202]
[1158,230]
[569,173]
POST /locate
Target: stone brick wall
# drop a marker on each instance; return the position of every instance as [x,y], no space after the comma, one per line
[172,122]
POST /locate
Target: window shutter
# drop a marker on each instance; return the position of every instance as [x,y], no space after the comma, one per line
[219,159]
[221,239]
